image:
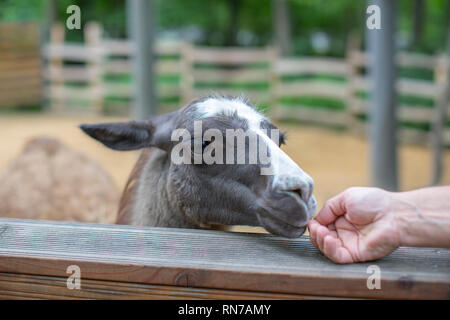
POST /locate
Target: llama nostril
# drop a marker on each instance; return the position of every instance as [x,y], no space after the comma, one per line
[301,185]
[299,192]
[305,191]
[304,194]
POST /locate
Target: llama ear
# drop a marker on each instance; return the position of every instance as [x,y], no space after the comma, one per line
[121,135]
[133,135]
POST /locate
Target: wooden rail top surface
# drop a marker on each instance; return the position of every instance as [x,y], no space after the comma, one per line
[211,260]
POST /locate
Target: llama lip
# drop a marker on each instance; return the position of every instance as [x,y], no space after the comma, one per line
[279,225]
[293,224]
[308,208]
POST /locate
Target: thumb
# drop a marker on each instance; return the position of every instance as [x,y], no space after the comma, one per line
[333,209]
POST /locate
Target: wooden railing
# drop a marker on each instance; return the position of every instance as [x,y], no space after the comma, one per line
[428,92]
[208,70]
[289,86]
[89,83]
[129,262]
[297,78]
[96,76]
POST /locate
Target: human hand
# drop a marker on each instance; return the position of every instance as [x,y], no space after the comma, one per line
[357,225]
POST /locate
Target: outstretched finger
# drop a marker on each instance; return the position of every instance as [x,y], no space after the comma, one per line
[322,232]
[312,227]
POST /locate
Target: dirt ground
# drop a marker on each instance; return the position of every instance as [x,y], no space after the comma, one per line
[336,160]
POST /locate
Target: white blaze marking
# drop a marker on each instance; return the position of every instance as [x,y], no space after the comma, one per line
[215,106]
[287,174]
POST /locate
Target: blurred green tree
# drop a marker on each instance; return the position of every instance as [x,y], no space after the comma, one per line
[421,24]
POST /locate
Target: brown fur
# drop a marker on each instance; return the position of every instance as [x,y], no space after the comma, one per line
[129,194]
[124,213]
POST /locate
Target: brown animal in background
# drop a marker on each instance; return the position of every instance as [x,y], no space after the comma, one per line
[165,194]
[52,182]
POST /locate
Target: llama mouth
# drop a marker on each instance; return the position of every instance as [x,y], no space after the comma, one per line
[279,225]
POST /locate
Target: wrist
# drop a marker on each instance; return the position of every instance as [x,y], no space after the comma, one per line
[420,223]
[405,217]
[401,208]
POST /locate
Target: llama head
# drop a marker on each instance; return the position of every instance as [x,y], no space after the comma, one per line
[225,164]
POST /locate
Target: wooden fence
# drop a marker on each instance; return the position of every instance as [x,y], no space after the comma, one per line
[96,76]
[230,71]
[332,91]
[418,98]
[20,70]
[302,92]
[129,262]
[326,91]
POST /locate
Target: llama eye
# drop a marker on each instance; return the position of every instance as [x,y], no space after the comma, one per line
[205,144]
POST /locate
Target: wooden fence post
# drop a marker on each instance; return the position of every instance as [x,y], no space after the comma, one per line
[274,79]
[55,66]
[282,26]
[187,66]
[45,40]
[383,122]
[141,25]
[92,36]
[442,79]
[353,46]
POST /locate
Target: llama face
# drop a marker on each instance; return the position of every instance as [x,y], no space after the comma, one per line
[225,165]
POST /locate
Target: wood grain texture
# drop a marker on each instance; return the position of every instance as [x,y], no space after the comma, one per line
[315,65]
[313,115]
[20,70]
[14,286]
[34,256]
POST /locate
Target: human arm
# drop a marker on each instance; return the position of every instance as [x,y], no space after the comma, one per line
[363,224]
